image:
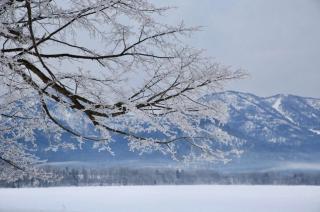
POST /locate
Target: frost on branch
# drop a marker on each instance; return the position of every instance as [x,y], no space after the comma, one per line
[104,68]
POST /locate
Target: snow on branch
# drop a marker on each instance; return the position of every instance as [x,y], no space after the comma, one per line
[104,68]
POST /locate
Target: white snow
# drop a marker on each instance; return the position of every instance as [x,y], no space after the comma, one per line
[277,106]
[314,103]
[162,199]
[315,131]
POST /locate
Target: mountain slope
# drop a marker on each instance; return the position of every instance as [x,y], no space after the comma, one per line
[290,120]
[280,128]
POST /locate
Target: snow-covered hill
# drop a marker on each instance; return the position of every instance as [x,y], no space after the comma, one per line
[286,119]
[280,129]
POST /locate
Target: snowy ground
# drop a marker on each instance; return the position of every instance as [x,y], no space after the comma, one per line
[162,199]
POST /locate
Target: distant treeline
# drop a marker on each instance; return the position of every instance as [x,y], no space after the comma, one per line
[67,176]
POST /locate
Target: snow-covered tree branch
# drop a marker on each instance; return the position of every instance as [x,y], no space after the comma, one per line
[107,65]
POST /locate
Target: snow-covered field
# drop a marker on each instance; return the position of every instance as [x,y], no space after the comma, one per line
[162,199]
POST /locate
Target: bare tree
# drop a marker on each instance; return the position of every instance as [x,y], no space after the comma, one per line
[67,66]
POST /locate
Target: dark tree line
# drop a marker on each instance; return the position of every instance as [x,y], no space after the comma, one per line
[68,176]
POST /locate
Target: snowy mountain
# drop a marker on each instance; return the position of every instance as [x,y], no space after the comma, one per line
[283,119]
[281,129]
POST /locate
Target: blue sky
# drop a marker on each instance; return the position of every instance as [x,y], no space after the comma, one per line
[276,41]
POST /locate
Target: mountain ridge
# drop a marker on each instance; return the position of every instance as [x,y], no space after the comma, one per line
[279,128]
